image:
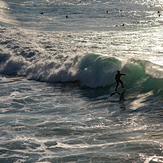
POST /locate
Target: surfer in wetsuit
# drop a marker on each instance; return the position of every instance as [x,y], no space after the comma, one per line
[118,80]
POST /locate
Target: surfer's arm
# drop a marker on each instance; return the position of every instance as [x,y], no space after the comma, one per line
[123,74]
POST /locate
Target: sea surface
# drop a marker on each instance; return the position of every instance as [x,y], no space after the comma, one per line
[58,61]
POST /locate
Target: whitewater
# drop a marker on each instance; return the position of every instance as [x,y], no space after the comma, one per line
[58,61]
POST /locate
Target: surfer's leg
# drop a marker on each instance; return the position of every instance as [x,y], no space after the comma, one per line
[117,85]
[121,83]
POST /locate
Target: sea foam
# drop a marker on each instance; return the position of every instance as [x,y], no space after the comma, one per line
[65,57]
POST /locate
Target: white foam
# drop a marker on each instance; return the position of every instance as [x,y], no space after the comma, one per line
[57,56]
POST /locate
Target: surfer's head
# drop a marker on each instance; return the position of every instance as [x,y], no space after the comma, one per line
[118,71]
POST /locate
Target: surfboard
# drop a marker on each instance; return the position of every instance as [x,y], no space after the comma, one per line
[118,91]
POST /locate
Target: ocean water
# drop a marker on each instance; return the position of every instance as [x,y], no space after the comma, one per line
[58,60]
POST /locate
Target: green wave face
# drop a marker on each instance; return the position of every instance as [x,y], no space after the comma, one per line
[142,76]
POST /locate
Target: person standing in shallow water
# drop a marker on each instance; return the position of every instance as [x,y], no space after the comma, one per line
[118,80]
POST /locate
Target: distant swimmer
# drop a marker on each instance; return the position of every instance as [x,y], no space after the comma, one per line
[118,80]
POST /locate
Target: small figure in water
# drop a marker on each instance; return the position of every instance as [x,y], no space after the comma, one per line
[118,80]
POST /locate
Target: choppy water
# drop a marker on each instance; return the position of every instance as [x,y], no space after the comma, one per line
[57,74]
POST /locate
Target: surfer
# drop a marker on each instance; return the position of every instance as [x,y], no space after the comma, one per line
[118,80]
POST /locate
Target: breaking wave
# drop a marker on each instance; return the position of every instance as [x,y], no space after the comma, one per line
[91,70]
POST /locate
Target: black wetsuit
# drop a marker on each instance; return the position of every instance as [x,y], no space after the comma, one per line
[118,80]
